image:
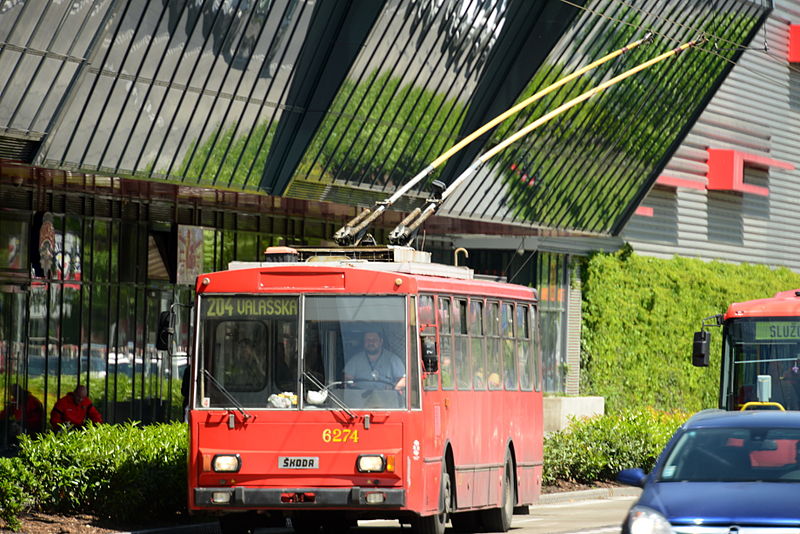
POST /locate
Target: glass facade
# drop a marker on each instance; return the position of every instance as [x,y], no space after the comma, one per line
[80,296]
[589,167]
[344,102]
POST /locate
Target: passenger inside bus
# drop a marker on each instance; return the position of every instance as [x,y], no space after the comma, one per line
[375,369]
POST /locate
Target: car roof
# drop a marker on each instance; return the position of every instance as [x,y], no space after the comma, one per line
[746,419]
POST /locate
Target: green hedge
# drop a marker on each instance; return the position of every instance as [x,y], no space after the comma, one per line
[598,448]
[639,314]
[125,472]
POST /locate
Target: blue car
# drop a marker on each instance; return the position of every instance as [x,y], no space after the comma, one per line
[721,473]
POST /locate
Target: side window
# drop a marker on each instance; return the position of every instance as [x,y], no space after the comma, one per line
[476,342]
[523,331]
[463,361]
[427,327]
[536,354]
[493,347]
[445,343]
[509,349]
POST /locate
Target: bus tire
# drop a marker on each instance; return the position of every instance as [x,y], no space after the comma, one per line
[499,519]
[437,523]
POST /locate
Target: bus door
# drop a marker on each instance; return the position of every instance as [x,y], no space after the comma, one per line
[433,431]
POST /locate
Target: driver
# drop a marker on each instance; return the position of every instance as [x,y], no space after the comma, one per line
[374,364]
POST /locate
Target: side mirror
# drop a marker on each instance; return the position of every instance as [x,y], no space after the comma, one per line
[430,360]
[164,330]
[632,477]
[701,348]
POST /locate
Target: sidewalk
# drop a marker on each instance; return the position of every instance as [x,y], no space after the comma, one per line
[546,498]
[586,495]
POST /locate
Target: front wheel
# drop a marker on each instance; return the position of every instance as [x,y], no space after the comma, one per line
[436,524]
[499,519]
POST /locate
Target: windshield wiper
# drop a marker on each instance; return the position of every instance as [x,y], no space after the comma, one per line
[225,392]
[336,400]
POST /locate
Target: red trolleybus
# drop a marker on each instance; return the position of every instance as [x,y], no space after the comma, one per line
[327,389]
[760,367]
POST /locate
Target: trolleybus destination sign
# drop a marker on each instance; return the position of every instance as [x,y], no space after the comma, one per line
[778,330]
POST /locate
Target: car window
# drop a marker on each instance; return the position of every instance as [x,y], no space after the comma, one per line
[734,454]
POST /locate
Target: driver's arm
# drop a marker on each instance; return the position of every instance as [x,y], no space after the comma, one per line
[398,369]
[401,384]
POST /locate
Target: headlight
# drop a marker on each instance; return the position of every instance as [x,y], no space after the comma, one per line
[226,463]
[371,463]
[643,520]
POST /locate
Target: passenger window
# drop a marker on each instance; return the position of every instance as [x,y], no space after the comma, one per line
[476,340]
[522,329]
[536,356]
[493,347]
[509,349]
[461,347]
[427,328]
[445,343]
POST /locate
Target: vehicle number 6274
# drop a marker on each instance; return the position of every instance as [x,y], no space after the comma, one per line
[339,435]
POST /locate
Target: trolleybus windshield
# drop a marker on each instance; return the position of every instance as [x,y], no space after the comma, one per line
[765,350]
[354,352]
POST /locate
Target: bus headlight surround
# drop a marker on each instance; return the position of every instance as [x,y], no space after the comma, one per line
[371,463]
[643,520]
[226,463]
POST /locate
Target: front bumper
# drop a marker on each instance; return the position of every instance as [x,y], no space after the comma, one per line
[282,498]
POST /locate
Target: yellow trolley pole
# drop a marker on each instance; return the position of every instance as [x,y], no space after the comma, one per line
[350,232]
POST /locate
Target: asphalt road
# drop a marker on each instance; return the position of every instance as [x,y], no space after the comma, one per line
[595,516]
[577,513]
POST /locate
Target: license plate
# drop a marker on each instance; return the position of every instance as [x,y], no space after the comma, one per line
[298,462]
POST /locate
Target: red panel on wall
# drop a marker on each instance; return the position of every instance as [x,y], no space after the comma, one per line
[671,181]
[794,43]
[726,170]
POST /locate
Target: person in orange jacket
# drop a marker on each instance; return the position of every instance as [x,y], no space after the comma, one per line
[74,409]
[24,412]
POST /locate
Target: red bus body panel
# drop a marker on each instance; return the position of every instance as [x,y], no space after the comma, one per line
[783,304]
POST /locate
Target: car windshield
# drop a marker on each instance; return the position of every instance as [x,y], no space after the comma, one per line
[734,455]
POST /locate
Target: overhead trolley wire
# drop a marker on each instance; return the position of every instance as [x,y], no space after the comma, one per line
[352,232]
